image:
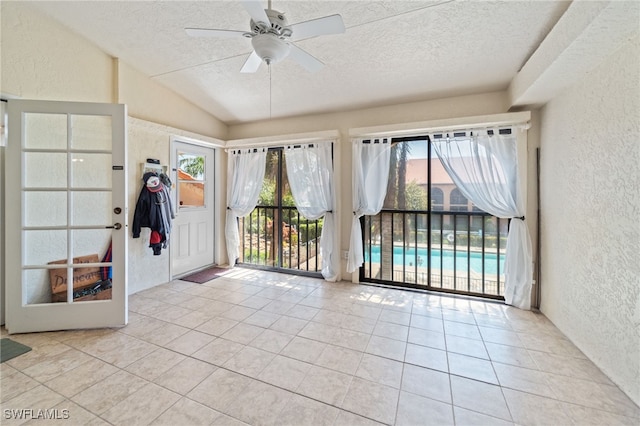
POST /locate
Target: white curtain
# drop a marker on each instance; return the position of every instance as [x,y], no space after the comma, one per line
[371,161]
[245,176]
[485,169]
[310,173]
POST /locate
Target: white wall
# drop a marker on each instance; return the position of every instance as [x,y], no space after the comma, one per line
[149,140]
[43,60]
[590,175]
[148,100]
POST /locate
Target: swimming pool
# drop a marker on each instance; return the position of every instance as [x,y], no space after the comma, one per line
[462,259]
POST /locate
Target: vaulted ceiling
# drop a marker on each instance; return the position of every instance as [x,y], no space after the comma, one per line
[392,51]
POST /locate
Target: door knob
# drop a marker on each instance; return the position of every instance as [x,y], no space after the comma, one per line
[115,226]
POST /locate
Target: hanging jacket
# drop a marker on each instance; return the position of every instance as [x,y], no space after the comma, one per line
[148,212]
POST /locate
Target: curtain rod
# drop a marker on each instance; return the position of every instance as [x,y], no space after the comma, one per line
[443,125]
[278,145]
[378,140]
[457,131]
[461,134]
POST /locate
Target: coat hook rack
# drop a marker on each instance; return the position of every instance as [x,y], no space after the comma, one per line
[153,167]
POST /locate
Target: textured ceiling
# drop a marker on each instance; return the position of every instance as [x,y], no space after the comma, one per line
[392,51]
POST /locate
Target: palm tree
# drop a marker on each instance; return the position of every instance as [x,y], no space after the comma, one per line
[396,198]
[193,165]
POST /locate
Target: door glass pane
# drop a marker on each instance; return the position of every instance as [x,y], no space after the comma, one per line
[92,132]
[36,286]
[191,180]
[44,246]
[45,208]
[191,194]
[91,208]
[91,170]
[91,283]
[45,170]
[45,131]
[90,242]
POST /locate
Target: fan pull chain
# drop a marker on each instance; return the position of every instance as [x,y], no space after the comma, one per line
[270,92]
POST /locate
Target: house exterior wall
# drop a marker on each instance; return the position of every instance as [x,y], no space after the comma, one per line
[589,225]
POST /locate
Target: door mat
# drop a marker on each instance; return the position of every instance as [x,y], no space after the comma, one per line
[10,349]
[203,276]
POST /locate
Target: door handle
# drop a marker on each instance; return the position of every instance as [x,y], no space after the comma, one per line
[115,226]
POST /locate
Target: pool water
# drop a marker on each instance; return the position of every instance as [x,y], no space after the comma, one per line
[462,258]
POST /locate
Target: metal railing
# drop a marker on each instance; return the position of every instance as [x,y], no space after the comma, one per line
[451,251]
[293,245]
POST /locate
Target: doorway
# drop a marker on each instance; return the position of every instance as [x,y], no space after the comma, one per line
[193,232]
[275,235]
[428,235]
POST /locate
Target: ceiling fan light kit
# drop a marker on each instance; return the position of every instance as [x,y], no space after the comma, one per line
[272,37]
[270,49]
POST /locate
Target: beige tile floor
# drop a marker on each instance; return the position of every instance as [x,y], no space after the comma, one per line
[263,348]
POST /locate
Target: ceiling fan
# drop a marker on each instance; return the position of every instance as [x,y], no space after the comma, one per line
[272,37]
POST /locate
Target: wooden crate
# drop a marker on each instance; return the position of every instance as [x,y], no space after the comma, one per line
[82,277]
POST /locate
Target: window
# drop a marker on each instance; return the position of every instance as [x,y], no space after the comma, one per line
[437,199]
[458,202]
[191,181]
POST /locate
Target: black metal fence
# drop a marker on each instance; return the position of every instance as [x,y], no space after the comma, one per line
[291,245]
[451,251]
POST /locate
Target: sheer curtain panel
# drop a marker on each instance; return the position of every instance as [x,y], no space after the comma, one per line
[310,172]
[245,176]
[371,159]
[484,166]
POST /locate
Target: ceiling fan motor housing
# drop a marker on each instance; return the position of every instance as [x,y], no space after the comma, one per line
[277,25]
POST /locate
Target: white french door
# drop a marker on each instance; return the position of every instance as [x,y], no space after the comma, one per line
[65,211]
[192,234]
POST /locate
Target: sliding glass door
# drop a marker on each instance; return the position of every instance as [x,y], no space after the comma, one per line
[428,235]
[275,235]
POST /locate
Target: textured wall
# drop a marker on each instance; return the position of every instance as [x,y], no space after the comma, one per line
[43,60]
[149,140]
[148,100]
[590,206]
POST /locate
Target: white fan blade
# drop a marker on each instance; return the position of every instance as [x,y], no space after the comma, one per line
[252,63]
[256,11]
[309,62]
[204,32]
[331,24]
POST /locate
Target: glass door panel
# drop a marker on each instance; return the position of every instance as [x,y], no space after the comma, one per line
[90,170]
[191,180]
[91,208]
[91,132]
[45,169]
[45,208]
[45,131]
